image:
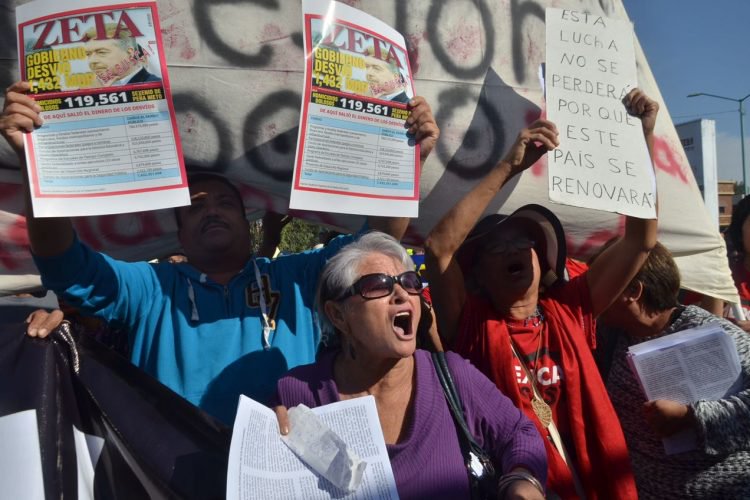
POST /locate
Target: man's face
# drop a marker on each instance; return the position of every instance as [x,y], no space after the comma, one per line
[107,59]
[214,223]
[381,78]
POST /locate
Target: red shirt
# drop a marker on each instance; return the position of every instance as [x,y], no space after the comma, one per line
[547,369]
[581,407]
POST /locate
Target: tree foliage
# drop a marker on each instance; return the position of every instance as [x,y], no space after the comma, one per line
[298,236]
[256,234]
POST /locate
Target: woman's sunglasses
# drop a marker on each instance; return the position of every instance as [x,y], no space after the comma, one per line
[374,286]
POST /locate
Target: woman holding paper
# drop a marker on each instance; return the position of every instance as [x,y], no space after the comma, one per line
[526,326]
[369,301]
[718,466]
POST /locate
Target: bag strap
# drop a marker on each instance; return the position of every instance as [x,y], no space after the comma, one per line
[477,462]
[451,395]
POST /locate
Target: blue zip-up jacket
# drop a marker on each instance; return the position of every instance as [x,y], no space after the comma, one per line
[201,339]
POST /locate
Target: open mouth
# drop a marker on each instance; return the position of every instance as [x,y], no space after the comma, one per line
[515,269]
[402,324]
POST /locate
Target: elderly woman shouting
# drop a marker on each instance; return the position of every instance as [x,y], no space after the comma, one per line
[503,300]
[369,296]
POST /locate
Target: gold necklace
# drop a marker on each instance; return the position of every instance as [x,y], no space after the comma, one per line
[541,409]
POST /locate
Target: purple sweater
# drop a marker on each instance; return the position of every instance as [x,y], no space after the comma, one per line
[428,462]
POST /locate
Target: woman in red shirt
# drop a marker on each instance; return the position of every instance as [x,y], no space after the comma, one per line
[527,327]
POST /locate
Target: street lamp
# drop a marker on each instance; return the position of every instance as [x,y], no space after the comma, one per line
[742,130]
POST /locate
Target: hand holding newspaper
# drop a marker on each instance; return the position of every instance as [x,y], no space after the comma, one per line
[687,366]
[323,450]
[354,154]
[109,141]
[262,466]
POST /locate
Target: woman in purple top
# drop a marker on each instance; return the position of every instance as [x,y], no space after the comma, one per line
[376,324]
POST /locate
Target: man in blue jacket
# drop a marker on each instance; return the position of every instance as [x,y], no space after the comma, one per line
[221,325]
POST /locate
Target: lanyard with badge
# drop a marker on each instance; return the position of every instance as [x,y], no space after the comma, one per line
[268,324]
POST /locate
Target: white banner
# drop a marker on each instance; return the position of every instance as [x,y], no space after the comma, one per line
[236,69]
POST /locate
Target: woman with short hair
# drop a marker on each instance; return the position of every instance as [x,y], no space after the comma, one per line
[369,300]
[719,464]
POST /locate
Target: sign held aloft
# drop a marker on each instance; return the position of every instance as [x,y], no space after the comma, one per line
[603,161]
[109,141]
[353,153]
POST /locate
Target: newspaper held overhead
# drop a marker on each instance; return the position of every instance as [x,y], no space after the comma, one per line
[108,143]
[688,366]
[603,161]
[262,466]
[353,152]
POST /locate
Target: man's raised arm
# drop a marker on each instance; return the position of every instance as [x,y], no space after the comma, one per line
[48,236]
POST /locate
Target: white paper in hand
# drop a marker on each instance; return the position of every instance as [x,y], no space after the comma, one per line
[323,450]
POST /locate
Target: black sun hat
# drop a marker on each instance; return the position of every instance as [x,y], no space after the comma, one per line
[548,235]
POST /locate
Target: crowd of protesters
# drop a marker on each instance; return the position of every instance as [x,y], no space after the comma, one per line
[346,319]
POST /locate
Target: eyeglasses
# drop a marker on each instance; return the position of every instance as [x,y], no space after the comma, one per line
[504,246]
[375,286]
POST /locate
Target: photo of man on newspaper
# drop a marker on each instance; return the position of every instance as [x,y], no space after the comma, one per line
[386,80]
[78,51]
[352,60]
[117,59]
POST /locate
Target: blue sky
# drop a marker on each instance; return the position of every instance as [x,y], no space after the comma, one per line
[700,46]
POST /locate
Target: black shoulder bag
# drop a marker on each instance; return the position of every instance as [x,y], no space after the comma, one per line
[482,477]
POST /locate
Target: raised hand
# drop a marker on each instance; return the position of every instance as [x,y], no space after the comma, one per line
[20,115]
[422,126]
[531,144]
[645,108]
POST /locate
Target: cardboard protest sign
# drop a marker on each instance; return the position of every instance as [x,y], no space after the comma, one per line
[603,161]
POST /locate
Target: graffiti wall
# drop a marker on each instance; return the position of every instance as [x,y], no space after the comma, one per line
[236,70]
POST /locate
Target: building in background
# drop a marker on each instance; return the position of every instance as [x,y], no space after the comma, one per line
[727,200]
[698,139]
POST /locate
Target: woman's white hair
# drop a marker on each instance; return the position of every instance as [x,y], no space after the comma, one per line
[342,271]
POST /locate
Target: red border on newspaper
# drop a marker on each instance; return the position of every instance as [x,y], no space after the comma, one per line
[306,97]
[34,180]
